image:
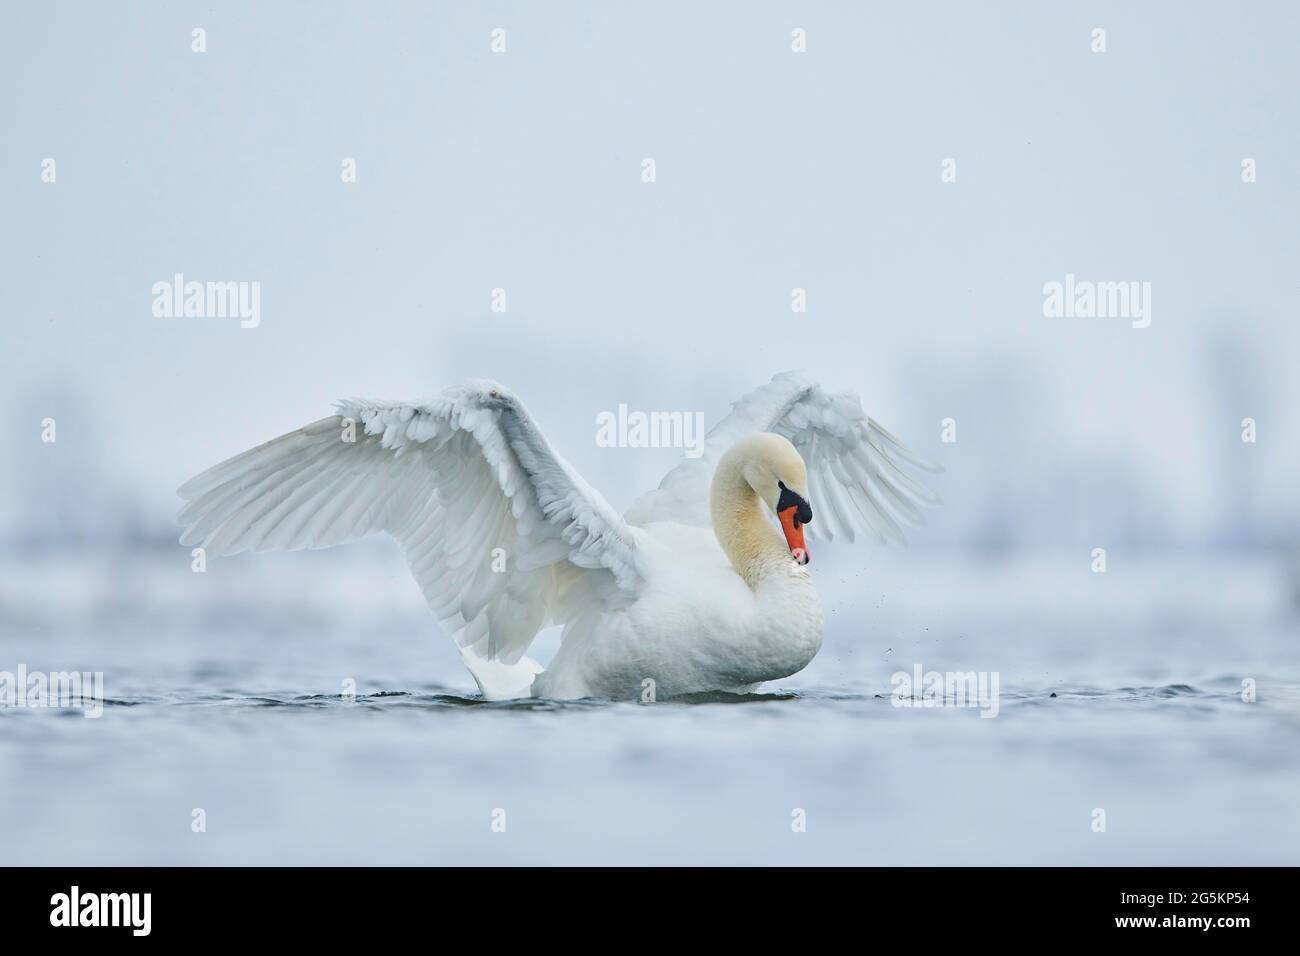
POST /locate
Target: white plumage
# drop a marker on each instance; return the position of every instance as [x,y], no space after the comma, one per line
[505,538]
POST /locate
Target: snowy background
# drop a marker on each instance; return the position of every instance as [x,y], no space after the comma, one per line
[775,170]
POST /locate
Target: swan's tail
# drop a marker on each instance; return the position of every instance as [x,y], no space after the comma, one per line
[498,681]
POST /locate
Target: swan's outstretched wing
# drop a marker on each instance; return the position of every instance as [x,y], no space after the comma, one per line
[857,472]
[502,535]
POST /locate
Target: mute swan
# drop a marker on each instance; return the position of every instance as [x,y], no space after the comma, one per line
[694,589]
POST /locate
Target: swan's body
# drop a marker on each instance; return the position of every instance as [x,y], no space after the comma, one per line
[698,628]
[694,590]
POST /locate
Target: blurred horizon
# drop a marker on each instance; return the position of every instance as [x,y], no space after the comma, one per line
[89,496]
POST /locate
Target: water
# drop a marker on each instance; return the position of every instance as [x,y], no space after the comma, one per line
[224,694]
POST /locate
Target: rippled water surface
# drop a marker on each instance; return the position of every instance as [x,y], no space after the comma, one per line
[226,693]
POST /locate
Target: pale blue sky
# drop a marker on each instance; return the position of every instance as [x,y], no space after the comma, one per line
[775,170]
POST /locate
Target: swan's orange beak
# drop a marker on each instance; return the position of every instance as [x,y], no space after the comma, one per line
[793,529]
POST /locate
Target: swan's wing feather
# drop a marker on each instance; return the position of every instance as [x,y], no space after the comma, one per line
[858,474]
[501,534]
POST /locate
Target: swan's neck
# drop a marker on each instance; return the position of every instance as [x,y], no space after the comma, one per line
[749,539]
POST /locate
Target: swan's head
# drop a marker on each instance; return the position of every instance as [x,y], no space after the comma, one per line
[776,472]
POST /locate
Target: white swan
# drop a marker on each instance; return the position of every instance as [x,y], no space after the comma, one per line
[693,590]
